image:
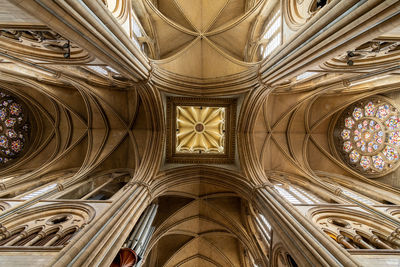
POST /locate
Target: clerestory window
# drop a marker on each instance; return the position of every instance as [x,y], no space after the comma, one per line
[297,195]
[272,37]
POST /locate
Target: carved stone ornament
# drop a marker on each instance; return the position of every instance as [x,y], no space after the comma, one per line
[14,128]
[367,136]
[369,55]
[200,130]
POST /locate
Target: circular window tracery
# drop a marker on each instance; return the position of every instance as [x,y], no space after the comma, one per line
[367,136]
[59,219]
[14,128]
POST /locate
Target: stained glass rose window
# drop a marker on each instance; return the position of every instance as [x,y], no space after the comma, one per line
[14,128]
[367,136]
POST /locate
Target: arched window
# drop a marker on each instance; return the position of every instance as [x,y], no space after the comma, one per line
[298,12]
[297,195]
[306,75]
[136,31]
[357,196]
[122,11]
[12,235]
[15,128]
[46,238]
[65,238]
[44,184]
[272,36]
[24,240]
[262,230]
[367,136]
[38,192]
[356,230]
[368,194]
[317,5]
[96,188]
[280,257]
[46,225]
[264,226]
[291,262]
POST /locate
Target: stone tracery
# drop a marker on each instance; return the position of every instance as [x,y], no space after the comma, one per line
[367,56]
[298,12]
[106,112]
[367,136]
[41,45]
[48,225]
[14,128]
[355,230]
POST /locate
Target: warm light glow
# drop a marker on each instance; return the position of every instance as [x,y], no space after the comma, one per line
[200,129]
[306,75]
[369,80]
[272,35]
[368,136]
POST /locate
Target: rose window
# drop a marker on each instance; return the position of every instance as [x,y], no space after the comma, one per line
[367,136]
[14,128]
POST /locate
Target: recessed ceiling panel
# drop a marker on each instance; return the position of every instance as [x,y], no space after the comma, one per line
[200,130]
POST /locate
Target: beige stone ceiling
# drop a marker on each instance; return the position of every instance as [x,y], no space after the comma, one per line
[202,39]
[9,12]
[96,125]
[199,225]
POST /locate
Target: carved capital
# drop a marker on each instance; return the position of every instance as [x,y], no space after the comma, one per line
[60,187]
[143,184]
[357,238]
[338,191]
[374,239]
[42,234]
[339,238]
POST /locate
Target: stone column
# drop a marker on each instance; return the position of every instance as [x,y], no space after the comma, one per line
[98,243]
[308,244]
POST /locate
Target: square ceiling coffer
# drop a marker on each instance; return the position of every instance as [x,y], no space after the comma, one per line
[201,130]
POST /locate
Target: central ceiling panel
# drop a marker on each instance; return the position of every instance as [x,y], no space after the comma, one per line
[201,130]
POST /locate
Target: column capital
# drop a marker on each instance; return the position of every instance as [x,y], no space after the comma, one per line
[142,184]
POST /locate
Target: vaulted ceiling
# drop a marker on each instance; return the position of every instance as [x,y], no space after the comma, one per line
[104,107]
[202,39]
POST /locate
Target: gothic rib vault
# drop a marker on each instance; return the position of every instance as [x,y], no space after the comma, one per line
[199,133]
